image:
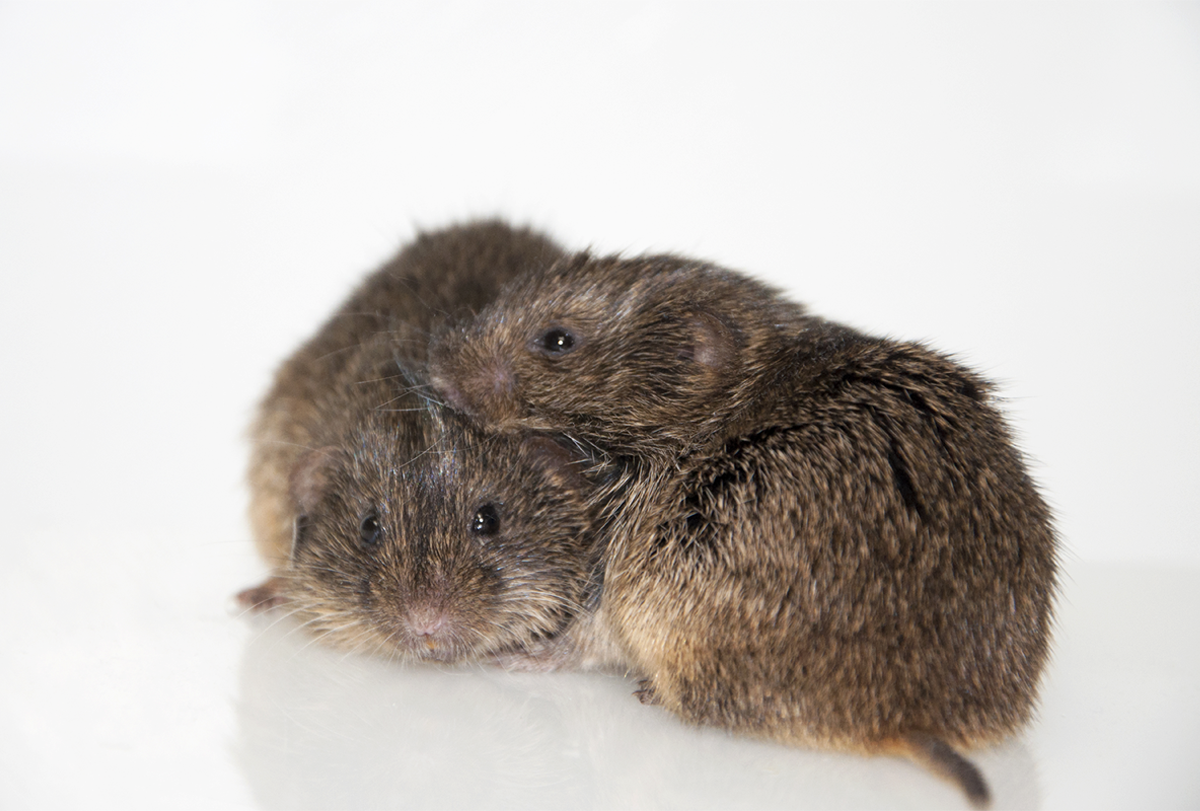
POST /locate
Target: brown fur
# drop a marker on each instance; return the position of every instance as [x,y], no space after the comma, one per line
[655,353]
[825,538]
[347,439]
[441,274]
[418,537]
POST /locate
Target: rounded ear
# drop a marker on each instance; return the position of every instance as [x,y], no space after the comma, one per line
[713,343]
[561,459]
[310,479]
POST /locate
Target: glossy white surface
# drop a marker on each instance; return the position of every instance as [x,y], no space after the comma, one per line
[154,697]
[185,191]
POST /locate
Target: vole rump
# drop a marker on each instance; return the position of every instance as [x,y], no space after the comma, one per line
[828,538]
[456,270]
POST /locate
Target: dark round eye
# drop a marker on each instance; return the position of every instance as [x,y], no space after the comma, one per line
[486,521]
[556,341]
[369,529]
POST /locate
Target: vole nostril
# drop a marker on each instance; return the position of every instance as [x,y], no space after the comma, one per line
[426,621]
[451,393]
[488,388]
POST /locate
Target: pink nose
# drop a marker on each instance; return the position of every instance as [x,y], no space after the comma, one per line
[426,621]
[452,394]
[486,391]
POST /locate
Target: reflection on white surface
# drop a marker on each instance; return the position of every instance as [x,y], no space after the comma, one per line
[319,729]
[150,696]
[1118,727]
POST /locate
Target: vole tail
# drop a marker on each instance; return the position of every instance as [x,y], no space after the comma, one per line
[940,758]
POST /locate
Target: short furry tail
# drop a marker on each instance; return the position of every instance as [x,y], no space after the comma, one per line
[941,759]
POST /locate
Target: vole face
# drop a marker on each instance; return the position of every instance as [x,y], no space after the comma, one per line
[607,348]
[438,543]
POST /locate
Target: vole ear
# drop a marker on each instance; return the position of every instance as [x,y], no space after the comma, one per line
[311,478]
[561,459]
[713,343]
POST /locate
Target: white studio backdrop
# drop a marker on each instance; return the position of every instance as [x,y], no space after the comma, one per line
[1018,184]
[188,189]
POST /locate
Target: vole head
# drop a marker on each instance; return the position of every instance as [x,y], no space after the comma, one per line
[618,351]
[420,538]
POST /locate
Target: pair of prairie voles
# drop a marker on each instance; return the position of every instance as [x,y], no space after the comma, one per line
[496,450]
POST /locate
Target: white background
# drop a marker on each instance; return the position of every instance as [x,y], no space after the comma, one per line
[187,190]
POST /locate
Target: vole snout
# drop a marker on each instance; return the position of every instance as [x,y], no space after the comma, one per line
[430,617]
[426,620]
[451,394]
[487,387]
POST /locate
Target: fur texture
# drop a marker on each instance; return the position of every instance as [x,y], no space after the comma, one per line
[390,523]
[825,538]
[418,537]
[440,275]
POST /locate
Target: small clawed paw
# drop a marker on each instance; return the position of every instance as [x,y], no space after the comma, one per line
[645,692]
[264,596]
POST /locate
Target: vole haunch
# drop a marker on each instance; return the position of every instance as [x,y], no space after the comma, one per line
[442,273]
[828,538]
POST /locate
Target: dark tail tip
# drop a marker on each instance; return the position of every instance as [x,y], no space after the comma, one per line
[940,758]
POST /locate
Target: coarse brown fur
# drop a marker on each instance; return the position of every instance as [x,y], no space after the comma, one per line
[827,538]
[659,362]
[416,536]
[441,274]
[389,522]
